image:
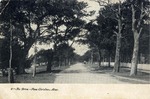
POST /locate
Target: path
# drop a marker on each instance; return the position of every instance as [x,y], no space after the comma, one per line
[79,73]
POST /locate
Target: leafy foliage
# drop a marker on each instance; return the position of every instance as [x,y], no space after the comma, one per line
[39,20]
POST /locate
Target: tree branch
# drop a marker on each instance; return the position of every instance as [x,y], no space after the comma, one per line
[140,32]
[72,43]
[133,17]
[115,32]
[102,1]
[4,7]
[142,14]
[43,31]
[105,3]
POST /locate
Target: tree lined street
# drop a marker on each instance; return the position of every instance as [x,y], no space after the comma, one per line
[118,31]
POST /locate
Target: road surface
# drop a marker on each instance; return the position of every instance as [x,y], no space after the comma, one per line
[79,73]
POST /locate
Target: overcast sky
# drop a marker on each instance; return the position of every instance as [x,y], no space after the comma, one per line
[79,49]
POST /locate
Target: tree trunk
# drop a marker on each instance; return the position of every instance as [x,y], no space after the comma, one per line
[69,62]
[91,56]
[59,62]
[99,60]
[65,60]
[34,67]
[23,60]
[10,75]
[10,70]
[117,56]
[49,66]
[136,29]
[109,60]
[134,61]
[21,66]
[118,43]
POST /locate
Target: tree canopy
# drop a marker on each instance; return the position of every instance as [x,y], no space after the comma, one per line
[50,21]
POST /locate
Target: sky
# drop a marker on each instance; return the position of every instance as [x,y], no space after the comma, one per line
[79,49]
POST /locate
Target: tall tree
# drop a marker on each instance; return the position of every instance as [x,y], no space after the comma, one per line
[35,18]
[139,12]
[116,8]
[21,21]
[100,34]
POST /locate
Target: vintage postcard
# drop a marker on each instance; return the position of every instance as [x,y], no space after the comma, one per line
[74,49]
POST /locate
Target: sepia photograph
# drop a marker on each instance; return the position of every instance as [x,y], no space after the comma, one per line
[67,42]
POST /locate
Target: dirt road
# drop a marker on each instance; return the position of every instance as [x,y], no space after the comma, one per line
[79,73]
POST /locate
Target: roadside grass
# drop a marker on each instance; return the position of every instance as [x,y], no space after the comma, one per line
[124,75]
[41,77]
[3,79]
[142,77]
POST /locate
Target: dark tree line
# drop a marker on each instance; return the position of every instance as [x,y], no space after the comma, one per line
[121,29]
[50,21]
[120,32]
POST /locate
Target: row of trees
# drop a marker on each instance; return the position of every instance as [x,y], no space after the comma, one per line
[122,30]
[24,23]
[63,55]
